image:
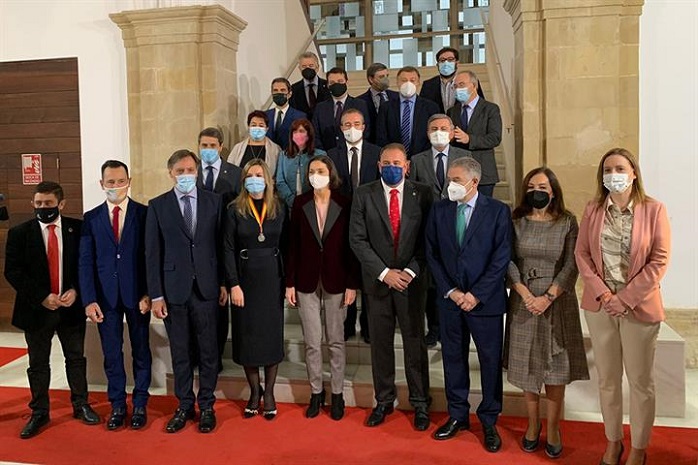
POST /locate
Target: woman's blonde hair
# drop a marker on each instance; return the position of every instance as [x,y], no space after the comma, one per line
[638,194]
[242,202]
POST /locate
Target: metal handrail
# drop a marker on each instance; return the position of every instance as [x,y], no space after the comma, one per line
[294,63]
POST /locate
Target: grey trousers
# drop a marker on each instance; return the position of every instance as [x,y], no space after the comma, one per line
[313,308]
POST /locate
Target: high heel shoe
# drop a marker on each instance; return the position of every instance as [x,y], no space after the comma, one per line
[531,445]
[620,454]
[554,451]
[269,412]
[252,407]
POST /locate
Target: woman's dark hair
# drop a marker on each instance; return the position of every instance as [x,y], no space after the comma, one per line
[258,114]
[335,181]
[556,207]
[293,148]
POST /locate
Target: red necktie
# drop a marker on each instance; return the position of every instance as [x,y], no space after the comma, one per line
[395,216]
[53,259]
[115,222]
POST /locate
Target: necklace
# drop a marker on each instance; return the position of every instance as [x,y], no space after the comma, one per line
[257,153]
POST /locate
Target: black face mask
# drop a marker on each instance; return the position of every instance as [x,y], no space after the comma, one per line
[537,199]
[308,74]
[279,99]
[337,89]
[46,215]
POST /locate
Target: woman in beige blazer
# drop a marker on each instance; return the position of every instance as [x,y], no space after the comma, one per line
[256,144]
[622,253]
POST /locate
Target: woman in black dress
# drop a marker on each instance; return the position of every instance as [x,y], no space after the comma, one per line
[254,244]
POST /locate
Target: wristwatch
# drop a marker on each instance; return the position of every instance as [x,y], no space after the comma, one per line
[550,296]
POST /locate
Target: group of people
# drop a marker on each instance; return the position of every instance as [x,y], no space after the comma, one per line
[307,210]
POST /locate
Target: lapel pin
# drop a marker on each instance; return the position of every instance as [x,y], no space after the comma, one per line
[70,229]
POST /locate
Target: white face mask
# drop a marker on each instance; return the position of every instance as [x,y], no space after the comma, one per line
[439,138]
[116,194]
[616,183]
[408,89]
[457,191]
[353,135]
[319,181]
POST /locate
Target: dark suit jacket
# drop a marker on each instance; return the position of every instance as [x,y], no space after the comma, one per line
[327,133]
[431,89]
[280,135]
[479,266]
[109,270]
[174,258]
[371,236]
[227,184]
[300,102]
[389,122]
[26,269]
[485,132]
[311,257]
[372,122]
[368,171]
[422,170]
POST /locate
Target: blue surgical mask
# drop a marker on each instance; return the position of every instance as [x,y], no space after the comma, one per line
[255,185]
[185,183]
[391,174]
[447,68]
[209,156]
[462,94]
[257,133]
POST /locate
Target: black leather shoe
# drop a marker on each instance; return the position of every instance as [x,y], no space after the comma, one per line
[431,338]
[492,440]
[139,418]
[553,451]
[86,414]
[365,336]
[207,422]
[348,334]
[379,413]
[529,445]
[450,428]
[316,402]
[421,419]
[179,420]
[252,407]
[337,410]
[116,419]
[34,425]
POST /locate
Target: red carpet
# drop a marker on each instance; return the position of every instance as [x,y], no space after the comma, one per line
[10,354]
[293,439]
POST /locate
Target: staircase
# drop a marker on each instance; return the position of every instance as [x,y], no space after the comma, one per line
[358,84]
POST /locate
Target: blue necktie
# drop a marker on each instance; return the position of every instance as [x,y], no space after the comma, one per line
[440,175]
[464,118]
[188,214]
[405,126]
[208,183]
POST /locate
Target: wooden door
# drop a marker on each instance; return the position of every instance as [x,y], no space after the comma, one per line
[39,113]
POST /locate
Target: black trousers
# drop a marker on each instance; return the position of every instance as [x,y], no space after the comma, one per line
[223,327]
[72,339]
[408,308]
[197,319]
[352,311]
[432,309]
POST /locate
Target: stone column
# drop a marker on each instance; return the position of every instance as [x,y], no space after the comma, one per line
[575,85]
[182,77]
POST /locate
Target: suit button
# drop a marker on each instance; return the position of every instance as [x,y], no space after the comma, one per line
[118,255]
[115,274]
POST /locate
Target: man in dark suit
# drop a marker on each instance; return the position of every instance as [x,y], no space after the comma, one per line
[282,115]
[378,94]
[41,264]
[185,282]
[112,284]
[468,249]
[357,164]
[223,178]
[478,128]
[405,120]
[430,168]
[439,89]
[328,114]
[310,90]
[386,233]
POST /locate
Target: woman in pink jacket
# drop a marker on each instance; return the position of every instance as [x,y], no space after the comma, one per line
[622,253]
